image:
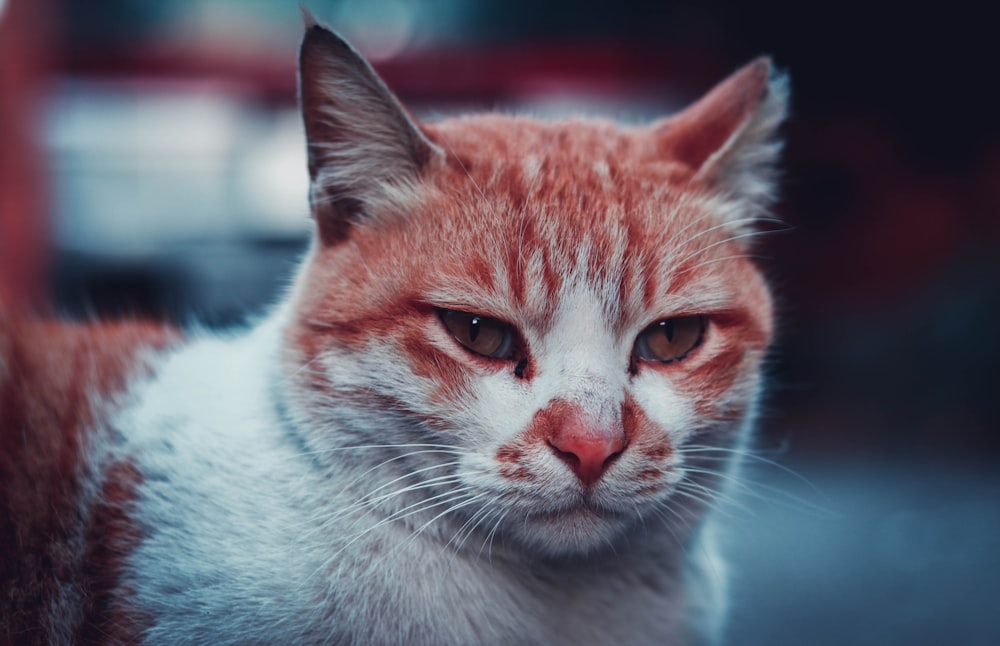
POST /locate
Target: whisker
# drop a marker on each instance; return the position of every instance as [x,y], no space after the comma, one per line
[671,243]
[713,500]
[741,236]
[668,523]
[384,446]
[408,474]
[406,512]
[367,501]
[748,256]
[430,522]
[722,225]
[696,450]
[470,526]
[489,537]
[308,364]
[394,459]
[756,490]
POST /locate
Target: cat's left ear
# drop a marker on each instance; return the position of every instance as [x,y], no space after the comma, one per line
[364,149]
[728,138]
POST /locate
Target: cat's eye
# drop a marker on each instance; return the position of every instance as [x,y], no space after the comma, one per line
[670,339]
[480,334]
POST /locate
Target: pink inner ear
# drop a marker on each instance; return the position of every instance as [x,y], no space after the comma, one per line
[703,129]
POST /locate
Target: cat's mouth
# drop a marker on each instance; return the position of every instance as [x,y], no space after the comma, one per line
[578,527]
[583,508]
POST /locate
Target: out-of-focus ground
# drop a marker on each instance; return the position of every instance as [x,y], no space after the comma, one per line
[868,555]
[151,163]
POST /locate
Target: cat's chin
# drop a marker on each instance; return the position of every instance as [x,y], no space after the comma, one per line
[574,531]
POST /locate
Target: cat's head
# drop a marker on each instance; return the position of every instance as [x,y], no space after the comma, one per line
[536,326]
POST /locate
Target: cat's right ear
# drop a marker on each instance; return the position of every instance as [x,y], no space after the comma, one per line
[728,139]
[364,149]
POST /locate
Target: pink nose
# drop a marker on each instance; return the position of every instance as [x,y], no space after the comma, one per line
[588,452]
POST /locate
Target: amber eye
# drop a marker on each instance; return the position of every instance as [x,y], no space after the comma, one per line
[670,339]
[480,334]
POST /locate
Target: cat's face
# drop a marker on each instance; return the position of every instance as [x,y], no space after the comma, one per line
[549,320]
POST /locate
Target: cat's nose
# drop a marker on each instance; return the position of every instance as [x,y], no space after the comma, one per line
[587,451]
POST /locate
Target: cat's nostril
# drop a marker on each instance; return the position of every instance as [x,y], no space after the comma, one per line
[587,455]
[571,460]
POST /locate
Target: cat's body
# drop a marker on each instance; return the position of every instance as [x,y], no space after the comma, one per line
[493,408]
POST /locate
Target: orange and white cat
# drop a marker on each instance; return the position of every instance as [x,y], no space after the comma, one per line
[513,370]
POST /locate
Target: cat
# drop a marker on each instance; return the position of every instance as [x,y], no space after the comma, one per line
[514,368]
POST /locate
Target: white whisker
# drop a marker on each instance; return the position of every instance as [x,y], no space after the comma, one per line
[453,508]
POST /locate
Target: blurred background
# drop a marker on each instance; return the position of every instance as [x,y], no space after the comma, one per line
[152,163]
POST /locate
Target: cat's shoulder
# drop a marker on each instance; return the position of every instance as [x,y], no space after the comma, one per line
[53,371]
[58,381]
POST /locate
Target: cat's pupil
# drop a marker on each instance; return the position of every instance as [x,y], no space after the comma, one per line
[668,329]
[474,328]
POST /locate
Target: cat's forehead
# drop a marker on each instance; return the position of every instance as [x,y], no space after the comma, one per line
[491,132]
[502,151]
[526,213]
[583,181]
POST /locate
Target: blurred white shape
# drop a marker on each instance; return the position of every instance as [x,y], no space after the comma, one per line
[139,168]
[3,5]
[273,179]
[379,28]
